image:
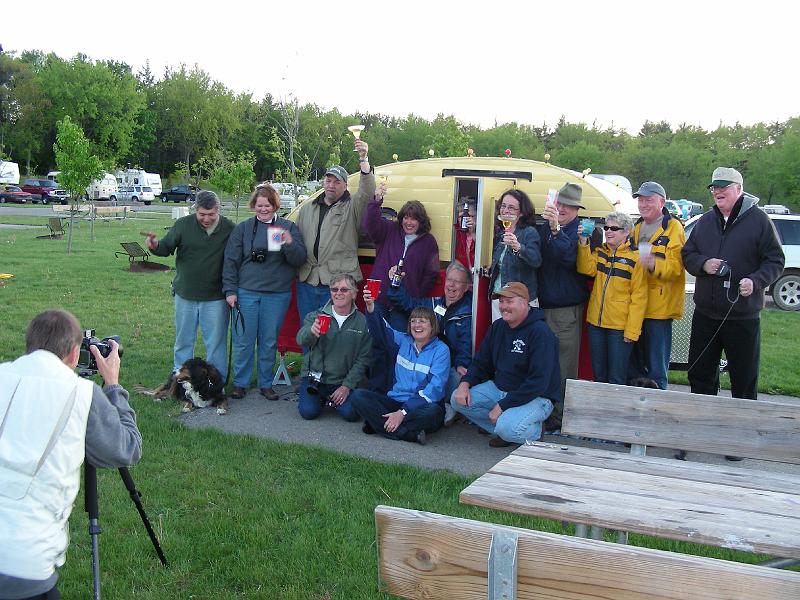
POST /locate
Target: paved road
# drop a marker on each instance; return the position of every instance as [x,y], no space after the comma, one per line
[460,448]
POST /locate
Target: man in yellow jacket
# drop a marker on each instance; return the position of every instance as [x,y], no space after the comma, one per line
[659,238]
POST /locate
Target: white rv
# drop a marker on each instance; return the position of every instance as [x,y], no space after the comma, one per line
[131,177]
[104,188]
[9,172]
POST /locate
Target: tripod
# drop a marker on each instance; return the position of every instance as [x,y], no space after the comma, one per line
[92,507]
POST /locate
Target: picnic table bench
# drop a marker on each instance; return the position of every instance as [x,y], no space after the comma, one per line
[86,211]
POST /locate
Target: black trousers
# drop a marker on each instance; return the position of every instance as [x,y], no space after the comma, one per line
[373,406]
[741,342]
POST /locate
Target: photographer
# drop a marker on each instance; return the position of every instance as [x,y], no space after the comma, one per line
[52,419]
[261,260]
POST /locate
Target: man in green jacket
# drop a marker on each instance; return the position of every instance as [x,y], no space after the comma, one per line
[199,241]
[339,352]
[329,225]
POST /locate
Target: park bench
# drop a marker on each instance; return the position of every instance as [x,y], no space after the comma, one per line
[108,213]
[431,556]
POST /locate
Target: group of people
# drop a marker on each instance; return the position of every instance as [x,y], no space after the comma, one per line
[412,353]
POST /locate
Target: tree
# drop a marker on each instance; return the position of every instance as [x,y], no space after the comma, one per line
[78,166]
[234,175]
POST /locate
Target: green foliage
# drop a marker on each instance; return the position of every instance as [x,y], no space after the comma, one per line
[234,175]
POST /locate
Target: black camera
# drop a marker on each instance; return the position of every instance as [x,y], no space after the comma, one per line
[258,255]
[314,381]
[724,269]
[86,361]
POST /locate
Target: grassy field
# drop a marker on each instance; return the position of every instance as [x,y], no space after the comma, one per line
[238,517]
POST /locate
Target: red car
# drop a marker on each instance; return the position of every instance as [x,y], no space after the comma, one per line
[12,193]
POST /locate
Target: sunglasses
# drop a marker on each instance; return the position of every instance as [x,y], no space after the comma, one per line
[612,228]
[337,290]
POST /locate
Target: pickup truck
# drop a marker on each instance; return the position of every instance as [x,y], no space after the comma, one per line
[45,190]
[180,193]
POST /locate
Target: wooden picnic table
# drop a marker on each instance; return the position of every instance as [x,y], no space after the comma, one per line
[720,505]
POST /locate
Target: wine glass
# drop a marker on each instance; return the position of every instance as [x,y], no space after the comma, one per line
[506,221]
[356,131]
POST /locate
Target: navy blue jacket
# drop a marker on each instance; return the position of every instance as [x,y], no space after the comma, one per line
[455,325]
[522,361]
[749,244]
[560,284]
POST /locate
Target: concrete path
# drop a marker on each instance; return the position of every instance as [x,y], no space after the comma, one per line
[460,448]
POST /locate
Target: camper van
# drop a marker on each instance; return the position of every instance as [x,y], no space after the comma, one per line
[133,177]
[104,188]
[440,184]
[9,172]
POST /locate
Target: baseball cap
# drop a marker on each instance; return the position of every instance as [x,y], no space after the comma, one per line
[570,195]
[337,172]
[648,188]
[723,176]
[515,289]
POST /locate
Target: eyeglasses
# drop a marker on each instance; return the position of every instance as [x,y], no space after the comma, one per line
[458,281]
[720,187]
[612,228]
[509,207]
[419,321]
[342,290]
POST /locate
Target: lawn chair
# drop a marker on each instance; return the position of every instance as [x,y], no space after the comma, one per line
[133,251]
[56,227]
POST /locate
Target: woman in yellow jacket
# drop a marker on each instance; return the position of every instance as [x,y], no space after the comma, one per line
[618,300]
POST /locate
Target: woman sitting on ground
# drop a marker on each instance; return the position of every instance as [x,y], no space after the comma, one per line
[414,406]
[618,300]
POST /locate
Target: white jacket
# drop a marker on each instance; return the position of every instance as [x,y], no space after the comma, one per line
[44,407]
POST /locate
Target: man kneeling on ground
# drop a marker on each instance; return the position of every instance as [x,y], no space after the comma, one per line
[339,346]
[514,378]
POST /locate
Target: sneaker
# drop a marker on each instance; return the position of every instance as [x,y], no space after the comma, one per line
[421,438]
[238,393]
[497,442]
[449,415]
[367,428]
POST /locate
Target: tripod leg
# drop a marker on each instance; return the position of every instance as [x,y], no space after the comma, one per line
[136,497]
[92,507]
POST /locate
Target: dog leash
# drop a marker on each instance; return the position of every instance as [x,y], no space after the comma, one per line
[236,317]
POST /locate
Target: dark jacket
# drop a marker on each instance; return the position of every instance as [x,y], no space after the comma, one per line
[522,361]
[455,325]
[198,262]
[518,266]
[420,264]
[276,273]
[749,244]
[560,284]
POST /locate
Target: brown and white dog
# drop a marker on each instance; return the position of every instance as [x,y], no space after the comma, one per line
[196,384]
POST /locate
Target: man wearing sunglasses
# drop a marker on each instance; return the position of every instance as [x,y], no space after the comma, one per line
[339,352]
[728,300]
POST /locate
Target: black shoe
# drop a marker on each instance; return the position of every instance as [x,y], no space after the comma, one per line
[238,393]
[733,458]
[367,428]
[498,442]
[421,438]
[680,455]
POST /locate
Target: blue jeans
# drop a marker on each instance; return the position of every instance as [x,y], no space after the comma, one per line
[656,339]
[516,425]
[373,406]
[213,317]
[263,314]
[311,298]
[610,354]
[310,406]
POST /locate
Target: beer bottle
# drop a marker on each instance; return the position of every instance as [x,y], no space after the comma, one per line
[398,275]
[464,220]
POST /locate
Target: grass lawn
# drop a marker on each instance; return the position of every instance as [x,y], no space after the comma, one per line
[238,517]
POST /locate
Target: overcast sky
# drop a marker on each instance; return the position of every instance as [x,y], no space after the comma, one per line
[610,63]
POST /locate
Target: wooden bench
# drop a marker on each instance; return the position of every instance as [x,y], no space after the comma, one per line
[430,556]
[107,213]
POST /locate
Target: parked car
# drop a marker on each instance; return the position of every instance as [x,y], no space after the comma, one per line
[136,193]
[180,193]
[786,291]
[45,190]
[776,209]
[13,193]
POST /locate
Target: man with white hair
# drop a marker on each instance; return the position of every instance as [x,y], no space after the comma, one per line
[735,254]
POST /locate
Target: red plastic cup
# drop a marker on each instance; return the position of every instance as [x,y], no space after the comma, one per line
[324,323]
[374,287]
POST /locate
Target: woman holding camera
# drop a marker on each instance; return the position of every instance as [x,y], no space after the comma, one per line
[261,260]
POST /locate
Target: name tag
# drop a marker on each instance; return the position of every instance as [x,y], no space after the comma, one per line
[440,310]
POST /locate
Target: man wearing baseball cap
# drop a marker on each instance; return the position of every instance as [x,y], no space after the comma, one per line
[562,290]
[659,238]
[329,226]
[735,254]
[512,382]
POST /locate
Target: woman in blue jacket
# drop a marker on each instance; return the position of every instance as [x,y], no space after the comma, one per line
[415,404]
